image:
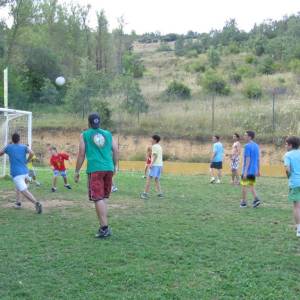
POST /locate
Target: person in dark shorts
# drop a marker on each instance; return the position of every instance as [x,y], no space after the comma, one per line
[216,162]
[251,169]
[101,152]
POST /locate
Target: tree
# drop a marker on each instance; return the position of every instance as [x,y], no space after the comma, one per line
[21,12]
[102,42]
[179,46]
[213,57]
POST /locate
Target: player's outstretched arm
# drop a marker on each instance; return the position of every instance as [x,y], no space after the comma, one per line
[2,151]
[80,158]
[115,152]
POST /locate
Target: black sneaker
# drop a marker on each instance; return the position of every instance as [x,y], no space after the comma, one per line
[256,203]
[160,195]
[103,233]
[67,186]
[18,205]
[243,204]
[38,208]
[53,190]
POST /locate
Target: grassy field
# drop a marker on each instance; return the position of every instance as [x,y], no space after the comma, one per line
[196,243]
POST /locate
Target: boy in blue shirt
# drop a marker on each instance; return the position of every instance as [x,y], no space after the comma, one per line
[216,161]
[292,166]
[251,169]
[18,170]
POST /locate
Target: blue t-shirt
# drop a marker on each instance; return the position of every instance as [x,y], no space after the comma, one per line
[219,152]
[292,160]
[251,150]
[17,159]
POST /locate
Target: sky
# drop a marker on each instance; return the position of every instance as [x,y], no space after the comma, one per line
[180,16]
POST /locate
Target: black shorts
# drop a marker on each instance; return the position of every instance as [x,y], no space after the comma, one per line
[217,165]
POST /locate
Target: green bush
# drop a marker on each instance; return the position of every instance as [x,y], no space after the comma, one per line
[196,66]
[253,90]
[250,59]
[235,77]
[294,66]
[178,89]
[246,71]
[267,66]
[191,53]
[164,47]
[213,82]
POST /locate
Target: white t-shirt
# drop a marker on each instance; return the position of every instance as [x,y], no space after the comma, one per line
[157,150]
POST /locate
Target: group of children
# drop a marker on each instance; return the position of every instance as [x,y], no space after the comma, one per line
[251,169]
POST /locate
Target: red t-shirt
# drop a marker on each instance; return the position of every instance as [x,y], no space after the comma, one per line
[58,161]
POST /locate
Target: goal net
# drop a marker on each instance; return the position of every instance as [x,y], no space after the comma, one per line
[12,121]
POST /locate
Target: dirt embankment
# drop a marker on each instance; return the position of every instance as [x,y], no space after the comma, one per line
[134,147]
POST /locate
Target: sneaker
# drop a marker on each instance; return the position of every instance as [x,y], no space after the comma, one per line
[67,186]
[160,195]
[144,196]
[256,203]
[38,208]
[18,205]
[218,181]
[37,183]
[212,180]
[114,189]
[144,177]
[243,204]
[53,190]
[103,233]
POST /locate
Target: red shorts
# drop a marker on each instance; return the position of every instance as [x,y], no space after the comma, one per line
[99,185]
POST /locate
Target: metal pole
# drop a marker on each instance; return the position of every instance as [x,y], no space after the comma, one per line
[213,114]
[273,112]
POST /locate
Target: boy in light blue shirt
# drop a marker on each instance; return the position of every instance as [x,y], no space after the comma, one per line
[216,161]
[292,166]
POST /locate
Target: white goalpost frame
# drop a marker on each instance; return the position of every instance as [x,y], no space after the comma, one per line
[9,115]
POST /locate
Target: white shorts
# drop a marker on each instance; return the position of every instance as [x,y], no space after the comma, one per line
[20,182]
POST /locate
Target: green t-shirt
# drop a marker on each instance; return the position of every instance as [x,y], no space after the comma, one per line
[98,150]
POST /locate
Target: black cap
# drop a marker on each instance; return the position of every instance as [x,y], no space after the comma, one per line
[94,120]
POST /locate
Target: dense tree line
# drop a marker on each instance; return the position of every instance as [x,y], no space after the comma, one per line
[46,39]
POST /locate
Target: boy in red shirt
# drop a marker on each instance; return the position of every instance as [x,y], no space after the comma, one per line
[57,161]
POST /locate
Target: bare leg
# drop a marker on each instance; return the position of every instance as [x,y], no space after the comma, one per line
[101,209]
[148,182]
[211,171]
[253,191]
[19,196]
[244,193]
[146,170]
[219,174]
[65,180]
[157,185]
[297,212]
[233,176]
[29,196]
[54,180]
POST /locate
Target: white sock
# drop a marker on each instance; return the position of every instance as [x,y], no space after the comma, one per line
[298,227]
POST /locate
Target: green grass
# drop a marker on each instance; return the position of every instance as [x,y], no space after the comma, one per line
[196,243]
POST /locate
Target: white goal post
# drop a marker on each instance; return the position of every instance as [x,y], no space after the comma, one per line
[12,121]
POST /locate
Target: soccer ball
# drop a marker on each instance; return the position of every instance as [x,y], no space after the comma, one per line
[60,81]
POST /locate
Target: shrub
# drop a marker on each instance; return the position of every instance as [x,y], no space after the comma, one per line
[235,77]
[196,66]
[267,66]
[178,89]
[164,47]
[294,66]
[253,90]
[250,59]
[246,71]
[191,53]
[213,82]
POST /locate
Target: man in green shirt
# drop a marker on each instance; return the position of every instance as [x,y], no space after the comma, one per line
[101,152]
